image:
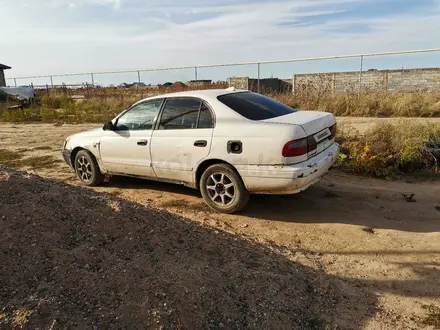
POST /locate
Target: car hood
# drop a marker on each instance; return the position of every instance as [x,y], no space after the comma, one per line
[96,132]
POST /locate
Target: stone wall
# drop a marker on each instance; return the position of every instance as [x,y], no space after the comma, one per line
[2,79]
[408,80]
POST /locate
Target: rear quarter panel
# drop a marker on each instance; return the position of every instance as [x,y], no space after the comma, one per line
[262,143]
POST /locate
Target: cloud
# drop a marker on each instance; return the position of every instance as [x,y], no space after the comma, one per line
[131,34]
[113,3]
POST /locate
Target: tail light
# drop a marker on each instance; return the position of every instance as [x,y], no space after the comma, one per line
[299,147]
[302,146]
[295,148]
[311,143]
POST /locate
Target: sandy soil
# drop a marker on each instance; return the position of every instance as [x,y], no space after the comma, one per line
[348,253]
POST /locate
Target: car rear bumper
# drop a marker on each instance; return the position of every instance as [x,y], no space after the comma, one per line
[66,156]
[291,179]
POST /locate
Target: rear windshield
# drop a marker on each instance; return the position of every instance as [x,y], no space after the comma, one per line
[255,106]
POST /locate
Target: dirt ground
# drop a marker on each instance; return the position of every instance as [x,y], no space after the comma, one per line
[348,253]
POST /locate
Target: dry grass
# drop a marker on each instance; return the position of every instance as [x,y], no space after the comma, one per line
[20,318]
[100,105]
[386,149]
[418,104]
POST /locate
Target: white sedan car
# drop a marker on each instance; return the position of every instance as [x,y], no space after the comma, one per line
[227,143]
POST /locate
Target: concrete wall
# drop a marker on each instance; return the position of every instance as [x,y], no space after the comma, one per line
[2,79]
[408,80]
[266,85]
[239,82]
[199,83]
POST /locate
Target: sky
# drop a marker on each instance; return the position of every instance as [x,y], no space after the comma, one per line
[44,37]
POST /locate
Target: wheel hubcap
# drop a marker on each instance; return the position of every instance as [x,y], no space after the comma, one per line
[84,169]
[221,189]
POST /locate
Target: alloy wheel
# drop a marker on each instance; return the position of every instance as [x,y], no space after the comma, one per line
[84,169]
[221,189]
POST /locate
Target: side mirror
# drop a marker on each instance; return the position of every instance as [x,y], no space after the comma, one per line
[108,126]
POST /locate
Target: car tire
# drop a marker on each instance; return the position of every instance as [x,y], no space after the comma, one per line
[87,169]
[223,189]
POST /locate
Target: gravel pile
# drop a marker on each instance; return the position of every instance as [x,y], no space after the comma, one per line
[75,258]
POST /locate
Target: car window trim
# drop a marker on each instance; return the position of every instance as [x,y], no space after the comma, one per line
[135,105]
[159,118]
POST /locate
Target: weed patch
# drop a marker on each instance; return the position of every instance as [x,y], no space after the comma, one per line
[433,317]
[42,148]
[198,207]
[386,150]
[14,159]
[39,162]
[9,158]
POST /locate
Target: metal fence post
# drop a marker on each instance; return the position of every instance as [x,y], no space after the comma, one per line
[258,78]
[51,81]
[15,82]
[139,77]
[360,76]
[195,72]
[93,80]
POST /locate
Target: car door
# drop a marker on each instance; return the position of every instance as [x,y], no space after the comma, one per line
[126,149]
[182,138]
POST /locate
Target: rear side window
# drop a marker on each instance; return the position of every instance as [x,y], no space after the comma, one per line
[205,118]
[180,114]
[255,106]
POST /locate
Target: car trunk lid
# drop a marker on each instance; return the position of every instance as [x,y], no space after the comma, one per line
[317,126]
[311,121]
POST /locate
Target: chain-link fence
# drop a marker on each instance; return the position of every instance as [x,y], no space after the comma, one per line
[389,71]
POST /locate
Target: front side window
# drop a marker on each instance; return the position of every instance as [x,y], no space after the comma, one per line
[140,117]
[255,106]
[180,113]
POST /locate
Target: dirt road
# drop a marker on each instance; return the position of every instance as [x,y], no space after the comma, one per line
[360,232]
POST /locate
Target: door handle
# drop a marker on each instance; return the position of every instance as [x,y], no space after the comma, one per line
[142,142]
[201,143]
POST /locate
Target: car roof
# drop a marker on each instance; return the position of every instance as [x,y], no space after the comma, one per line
[205,94]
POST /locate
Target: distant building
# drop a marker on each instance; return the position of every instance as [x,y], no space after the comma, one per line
[178,84]
[2,74]
[199,83]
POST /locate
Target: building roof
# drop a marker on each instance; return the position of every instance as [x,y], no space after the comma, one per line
[4,67]
[178,84]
